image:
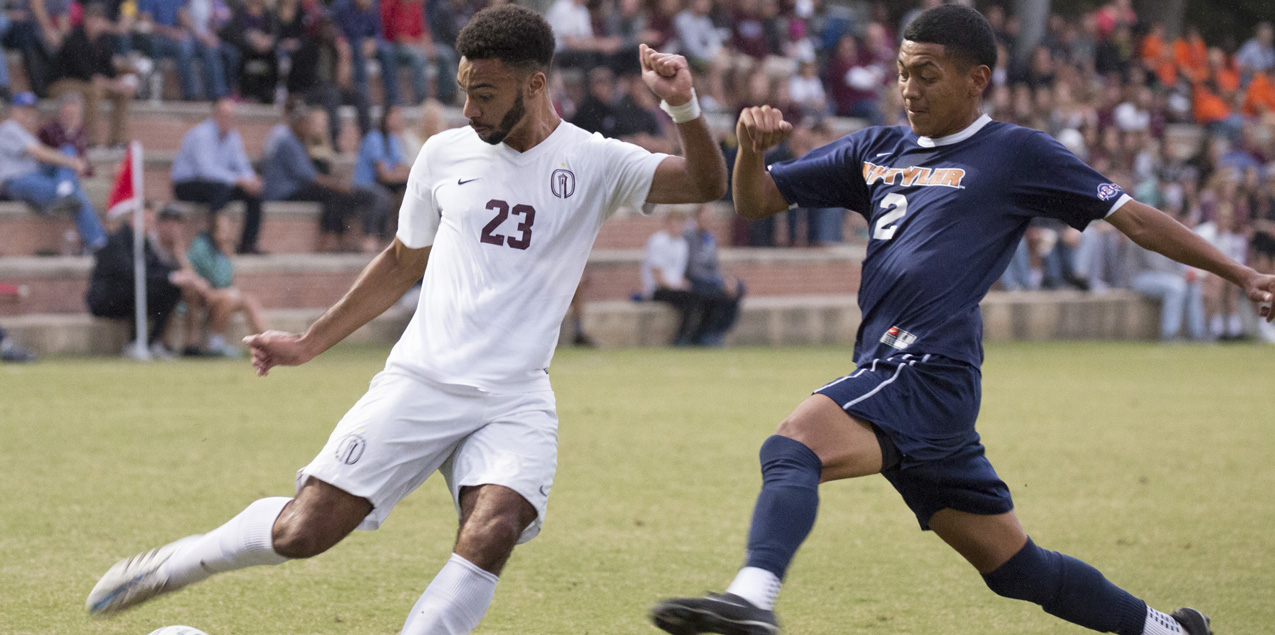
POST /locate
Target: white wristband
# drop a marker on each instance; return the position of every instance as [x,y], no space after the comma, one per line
[688,111]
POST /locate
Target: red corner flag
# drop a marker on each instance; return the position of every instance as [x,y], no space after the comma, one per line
[123,192]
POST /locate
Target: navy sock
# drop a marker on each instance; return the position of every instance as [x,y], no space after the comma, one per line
[787,504]
[1070,589]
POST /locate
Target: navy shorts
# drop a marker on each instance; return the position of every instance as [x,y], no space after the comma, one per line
[922,409]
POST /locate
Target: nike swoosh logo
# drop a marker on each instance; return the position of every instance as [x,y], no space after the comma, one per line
[463,181]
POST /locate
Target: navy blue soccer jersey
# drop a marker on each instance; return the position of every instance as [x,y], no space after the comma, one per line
[944,217]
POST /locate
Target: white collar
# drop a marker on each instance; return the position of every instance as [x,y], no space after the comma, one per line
[956,137]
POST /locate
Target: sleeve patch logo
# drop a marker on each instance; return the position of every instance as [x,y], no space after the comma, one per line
[1108,191]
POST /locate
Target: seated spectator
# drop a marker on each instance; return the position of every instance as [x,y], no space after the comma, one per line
[855,81]
[807,93]
[663,274]
[704,48]
[289,175]
[65,132]
[382,163]
[577,45]
[638,117]
[431,123]
[209,257]
[10,351]
[211,168]
[85,66]
[111,293]
[411,44]
[1176,287]
[4,68]
[41,176]
[596,113]
[1258,53]
[322,73]
[36,29]
[1223,300]
[719,296]
[254,31]
[360,25]
[164,33]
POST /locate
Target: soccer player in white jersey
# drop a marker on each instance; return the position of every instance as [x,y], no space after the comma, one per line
[504,212]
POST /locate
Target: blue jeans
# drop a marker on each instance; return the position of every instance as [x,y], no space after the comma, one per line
[40,189]
[1176,296]
[414,58]
[1018,275]
[4,66]
[25,36]
[385,57]
[184,52]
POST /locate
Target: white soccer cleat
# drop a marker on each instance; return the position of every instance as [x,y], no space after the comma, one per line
[132,581]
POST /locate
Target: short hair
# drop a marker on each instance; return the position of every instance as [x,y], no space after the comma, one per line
[964,33]
[512,34]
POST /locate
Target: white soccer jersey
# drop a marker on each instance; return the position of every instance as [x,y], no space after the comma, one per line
[511,232]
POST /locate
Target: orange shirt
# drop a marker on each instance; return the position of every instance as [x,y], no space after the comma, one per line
[1208,106]
[1192,56]
[1260,97]
[1228,80]
[1152,48]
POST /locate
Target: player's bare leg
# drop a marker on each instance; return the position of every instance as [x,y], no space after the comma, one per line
[1014,567]
[492,519]
[270,531]
[818,442]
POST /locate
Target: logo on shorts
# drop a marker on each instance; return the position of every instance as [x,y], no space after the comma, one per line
[350,449]
[1108,191]
[562,183]
[898,338]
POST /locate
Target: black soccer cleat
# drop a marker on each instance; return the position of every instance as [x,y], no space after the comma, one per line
[724,613]
[1192,621]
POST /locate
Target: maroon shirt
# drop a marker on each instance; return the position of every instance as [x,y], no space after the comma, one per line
[55,136]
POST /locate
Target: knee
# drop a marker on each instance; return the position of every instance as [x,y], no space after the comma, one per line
[1032,575]
[795,428]
[297,536]
[490,539]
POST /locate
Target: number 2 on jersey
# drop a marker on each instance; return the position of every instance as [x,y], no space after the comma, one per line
[502,210]
[886,225]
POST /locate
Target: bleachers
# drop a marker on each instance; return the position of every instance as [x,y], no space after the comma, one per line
[795,296]
[810,320]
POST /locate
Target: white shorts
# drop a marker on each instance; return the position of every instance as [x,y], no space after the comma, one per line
[407,427]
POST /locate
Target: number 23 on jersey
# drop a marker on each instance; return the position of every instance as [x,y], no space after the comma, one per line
[503,211]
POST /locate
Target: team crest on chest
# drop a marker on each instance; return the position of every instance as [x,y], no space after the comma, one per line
[562,183]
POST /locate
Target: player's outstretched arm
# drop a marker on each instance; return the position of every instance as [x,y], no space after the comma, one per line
[759,129]
[1157,231]
[377,288]
[699,176]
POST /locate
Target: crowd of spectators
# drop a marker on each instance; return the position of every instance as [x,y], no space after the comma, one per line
[1108,84]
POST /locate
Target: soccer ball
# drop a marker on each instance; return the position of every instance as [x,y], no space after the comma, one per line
[178,630]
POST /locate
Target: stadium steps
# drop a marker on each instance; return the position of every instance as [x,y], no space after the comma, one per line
[814,320]
[293,227]
[58,284]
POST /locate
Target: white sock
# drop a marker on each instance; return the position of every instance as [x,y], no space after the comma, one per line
[758,586]
[1160,624]
[454,602]
[244,541]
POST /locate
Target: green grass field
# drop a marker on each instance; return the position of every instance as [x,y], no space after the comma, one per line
[1155,463]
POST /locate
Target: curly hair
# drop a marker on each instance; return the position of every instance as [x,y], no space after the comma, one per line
[964,33]
[512,34]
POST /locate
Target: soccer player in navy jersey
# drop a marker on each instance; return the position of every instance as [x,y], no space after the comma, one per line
[947,202]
